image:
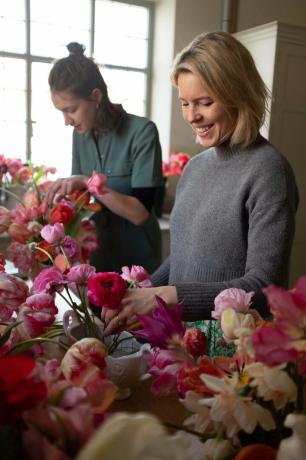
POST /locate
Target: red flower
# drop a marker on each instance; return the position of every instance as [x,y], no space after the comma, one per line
[62,213]
[189,377]
[41,256]
[195,341]
[106,290]
[19,388]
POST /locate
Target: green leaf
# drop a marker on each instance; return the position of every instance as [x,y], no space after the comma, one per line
[7,332]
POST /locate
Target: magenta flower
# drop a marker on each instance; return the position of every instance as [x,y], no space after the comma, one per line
[106,289]
[53,233]
[49,281]
[164,324]
[234,298]
[80,274]
[273,346]
[137,276]
[13,292]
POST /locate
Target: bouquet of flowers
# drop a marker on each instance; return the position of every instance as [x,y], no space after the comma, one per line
[62,235]
[176,164]
[243,406]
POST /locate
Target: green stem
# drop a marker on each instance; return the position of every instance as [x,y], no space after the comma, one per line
[13,195]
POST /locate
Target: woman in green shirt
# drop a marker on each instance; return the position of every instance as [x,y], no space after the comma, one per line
[122,146]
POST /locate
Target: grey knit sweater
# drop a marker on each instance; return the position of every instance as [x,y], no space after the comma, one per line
[232,225]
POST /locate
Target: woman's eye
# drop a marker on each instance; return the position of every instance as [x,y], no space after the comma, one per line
[205,103]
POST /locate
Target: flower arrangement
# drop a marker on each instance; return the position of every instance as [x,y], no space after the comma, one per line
[241,406]
[176,164]
[63,235]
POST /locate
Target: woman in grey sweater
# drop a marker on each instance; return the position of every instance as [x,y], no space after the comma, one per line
[232,224]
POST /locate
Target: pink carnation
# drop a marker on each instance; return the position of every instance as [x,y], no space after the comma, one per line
[53,233]
[48,281]
[137,276]
[96,184]
[234,298]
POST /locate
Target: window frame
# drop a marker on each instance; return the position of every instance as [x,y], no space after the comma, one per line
[31,58]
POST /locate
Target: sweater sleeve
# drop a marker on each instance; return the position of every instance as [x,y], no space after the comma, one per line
[161,276]
[271,227]
[76,165]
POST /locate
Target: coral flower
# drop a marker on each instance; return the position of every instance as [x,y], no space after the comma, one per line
[256,452]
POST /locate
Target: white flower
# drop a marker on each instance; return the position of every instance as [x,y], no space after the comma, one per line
[232,321]
[294,447]
[200,420]
[272,384]
[132,437]
[218,449]
[235,412]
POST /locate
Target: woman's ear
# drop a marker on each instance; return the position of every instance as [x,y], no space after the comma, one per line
[96,96]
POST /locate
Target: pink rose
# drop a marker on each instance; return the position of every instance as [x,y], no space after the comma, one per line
[80,274]
[53,233]
[137,276]
[96,184]
[195,342]
[234,298]
[13,292]
[106,290]
[48,281]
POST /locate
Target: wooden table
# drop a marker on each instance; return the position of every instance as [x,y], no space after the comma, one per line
[167,408]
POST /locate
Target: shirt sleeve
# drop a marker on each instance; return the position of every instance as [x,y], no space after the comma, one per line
[146,155]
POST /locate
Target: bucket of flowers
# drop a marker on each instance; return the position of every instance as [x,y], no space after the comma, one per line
[250,405]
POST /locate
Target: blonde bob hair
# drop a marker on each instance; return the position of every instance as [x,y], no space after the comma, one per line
[228,70]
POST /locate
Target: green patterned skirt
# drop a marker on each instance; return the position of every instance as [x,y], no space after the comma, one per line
[216,344]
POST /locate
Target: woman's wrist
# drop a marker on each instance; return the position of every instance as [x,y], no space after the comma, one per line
[168,294]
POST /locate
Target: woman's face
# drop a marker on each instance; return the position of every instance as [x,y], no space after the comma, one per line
[206,116]
[78,112]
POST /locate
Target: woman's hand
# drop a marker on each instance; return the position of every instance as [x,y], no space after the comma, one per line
[139,301]
[62,187]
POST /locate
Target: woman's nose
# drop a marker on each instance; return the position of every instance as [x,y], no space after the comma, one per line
[67,119]
[192,114]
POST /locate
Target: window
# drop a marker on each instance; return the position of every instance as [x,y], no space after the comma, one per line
[35,32]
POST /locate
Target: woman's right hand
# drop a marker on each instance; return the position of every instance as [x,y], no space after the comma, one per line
[63,187]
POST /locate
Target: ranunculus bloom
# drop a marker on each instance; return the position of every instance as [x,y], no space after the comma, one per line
[71,248]
[48,281]
[106,290]
[19,388]
[84,361]
[80,274]
[53,233]
[137,276]
[96,184]
[234,298]
[195,342]
[62,213]
[13,292]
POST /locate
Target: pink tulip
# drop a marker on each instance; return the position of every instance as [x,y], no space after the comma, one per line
[137,276]
[13,292]
[96,184]
[22,256]
[234,298]
[53,233]
[273,346]
[5,219]
[84,361]
[48,281]
[37,314]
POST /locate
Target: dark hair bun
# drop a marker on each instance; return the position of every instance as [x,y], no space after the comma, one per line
[76,49]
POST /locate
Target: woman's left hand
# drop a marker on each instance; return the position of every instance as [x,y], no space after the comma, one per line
[139,301]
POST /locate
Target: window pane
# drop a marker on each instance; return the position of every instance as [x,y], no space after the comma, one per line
[12,90]
[127,88]
[13,139]
[56,23]
[12,26]
[120,28]
[51,141]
